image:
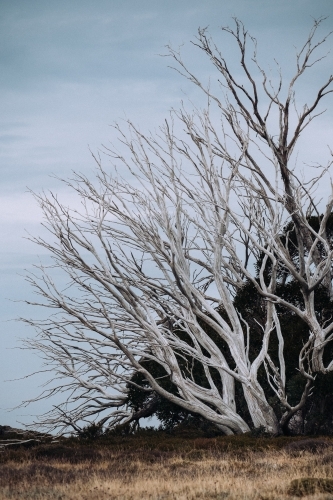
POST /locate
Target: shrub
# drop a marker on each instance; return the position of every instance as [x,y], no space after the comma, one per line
[92,431]
[309,486]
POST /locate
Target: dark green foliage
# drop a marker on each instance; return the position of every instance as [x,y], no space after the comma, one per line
[259,432]
[92,431]
[172,416]
[318,411]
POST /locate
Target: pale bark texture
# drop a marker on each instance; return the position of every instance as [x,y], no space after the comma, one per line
[169,233]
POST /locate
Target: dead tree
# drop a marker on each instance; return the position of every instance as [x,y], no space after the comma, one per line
[166,245]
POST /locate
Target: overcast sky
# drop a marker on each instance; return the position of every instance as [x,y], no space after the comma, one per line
[69,69]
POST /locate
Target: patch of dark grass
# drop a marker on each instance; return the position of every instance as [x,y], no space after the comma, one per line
[62,453]
[309,486]
[326,459]
[34,493]
[222,495]
[13,476]
[307,445]
[158,446]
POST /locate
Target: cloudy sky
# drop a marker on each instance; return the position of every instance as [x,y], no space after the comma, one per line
[69,69]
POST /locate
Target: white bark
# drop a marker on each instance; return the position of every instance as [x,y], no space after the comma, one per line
[156,254]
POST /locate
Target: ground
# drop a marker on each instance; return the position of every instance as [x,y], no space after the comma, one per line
[157,466]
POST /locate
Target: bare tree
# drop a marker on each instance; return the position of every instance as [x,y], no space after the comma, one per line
[165,248]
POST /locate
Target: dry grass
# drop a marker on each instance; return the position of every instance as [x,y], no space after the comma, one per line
[182,469]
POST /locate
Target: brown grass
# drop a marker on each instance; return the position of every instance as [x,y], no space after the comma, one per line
[146,467]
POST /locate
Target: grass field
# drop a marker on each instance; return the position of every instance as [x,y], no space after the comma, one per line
[156,466]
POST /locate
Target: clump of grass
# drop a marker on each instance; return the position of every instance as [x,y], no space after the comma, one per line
[310,445]
[326,459]
[310,485]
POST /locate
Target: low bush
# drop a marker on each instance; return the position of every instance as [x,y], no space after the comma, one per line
[309,486]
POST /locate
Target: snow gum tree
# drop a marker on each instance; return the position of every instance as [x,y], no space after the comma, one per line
[168,236]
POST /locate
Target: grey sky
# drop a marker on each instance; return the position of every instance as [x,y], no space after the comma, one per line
[68,69]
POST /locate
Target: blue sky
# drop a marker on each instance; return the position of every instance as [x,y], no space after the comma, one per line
[69,69]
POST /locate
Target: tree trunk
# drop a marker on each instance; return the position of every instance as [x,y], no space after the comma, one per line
[261,412]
